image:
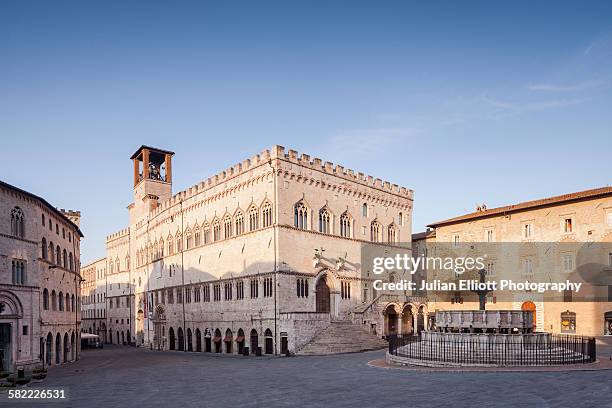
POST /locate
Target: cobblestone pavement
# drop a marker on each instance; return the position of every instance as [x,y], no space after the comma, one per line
[129,377]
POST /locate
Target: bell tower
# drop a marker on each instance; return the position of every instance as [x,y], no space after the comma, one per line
[152,179]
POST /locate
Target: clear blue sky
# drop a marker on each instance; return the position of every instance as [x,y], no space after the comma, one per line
[464,102]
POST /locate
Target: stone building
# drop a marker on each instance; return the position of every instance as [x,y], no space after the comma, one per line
[93,298]
[39,281]
[559,222]
[264,254]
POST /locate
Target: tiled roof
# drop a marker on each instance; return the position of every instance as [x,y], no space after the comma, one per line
[581,195]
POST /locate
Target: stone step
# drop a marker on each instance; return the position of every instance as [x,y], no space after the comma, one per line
[342,337]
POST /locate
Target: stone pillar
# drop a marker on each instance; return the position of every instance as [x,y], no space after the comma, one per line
[400,322]
[145,163]
[425,321]
[136,172]
[168,160]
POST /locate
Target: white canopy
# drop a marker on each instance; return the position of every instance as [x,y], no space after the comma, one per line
[87,336]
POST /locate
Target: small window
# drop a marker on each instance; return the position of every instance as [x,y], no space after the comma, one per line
[456,240]
[25,330]
[364,210]
[567,226]
[568,262]
[400,219]
[527,267]
[489,235]
[528,230]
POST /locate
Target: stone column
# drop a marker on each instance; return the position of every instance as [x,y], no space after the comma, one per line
[168,160]
[136,172]
[400,322]
[145,163]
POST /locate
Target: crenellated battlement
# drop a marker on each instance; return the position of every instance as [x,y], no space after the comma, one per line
[119,234]
[279,152]
[316,163]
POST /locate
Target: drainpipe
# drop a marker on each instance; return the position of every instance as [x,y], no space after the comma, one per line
[275,230]
[183,274]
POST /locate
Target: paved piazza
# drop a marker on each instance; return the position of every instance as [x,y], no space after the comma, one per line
[125,376]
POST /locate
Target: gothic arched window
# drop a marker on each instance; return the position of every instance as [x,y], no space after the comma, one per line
[266,211]
[216,230]
[227,226]
[170,245]
[17,223]
[375,231]
[161,250]
[71,261]
[345,225]
[64,259]
[206,232]
[179,242]
[391,233]
[300,216]
[188,239]
[197,236]
[239,221]
[364,210]
[58,255]
[253,218]
[324,221]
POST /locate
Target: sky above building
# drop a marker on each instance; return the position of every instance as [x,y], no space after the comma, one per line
[463,102]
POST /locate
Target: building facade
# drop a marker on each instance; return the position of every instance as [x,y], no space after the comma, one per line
[264,254]
[93,299]
[39,281]
[567,221]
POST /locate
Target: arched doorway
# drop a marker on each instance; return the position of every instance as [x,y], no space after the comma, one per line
[390,315]
[421,319]
[128,337]
[207,341]
[217,341]
[66,347]
[198,340]
[118,338]
[58,348]
[228,340]
[189,340]
[181,339]
[172,340]
[407,320]
[529,306]
[240,341]
[72,347]
[323,299]
[122,337]
[49,347]
[159,327]
[269,343]
[254,341]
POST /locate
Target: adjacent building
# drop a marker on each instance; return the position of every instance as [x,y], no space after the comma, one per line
[39,281]
[563,223]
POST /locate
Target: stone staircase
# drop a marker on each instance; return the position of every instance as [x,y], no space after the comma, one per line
[342,337]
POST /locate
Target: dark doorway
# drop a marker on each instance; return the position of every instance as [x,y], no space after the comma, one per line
[269,342]
[189,341]
[322,297]
[5,347]
[240,341]
[207,345]
[181,339]
[254,341]
[198,340]
[172,339]
[58,348]
[284,345]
